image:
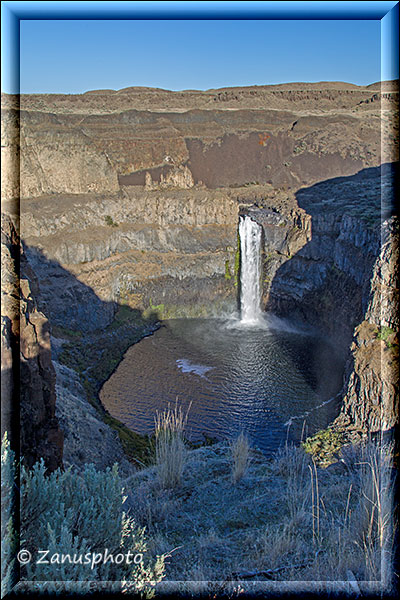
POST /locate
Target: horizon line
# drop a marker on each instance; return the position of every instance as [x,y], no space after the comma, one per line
[224,87]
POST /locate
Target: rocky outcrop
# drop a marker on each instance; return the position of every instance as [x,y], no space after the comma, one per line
[178,177]
[339,254]
[323,246]
[320,96]
[371,393]
[45,409]
[287,135]
[167,249]
[40,433]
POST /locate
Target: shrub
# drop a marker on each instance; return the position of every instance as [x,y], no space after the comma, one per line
[71,514]
[324,445]
[240,451]
[170,446]
[384,333]
[109,221]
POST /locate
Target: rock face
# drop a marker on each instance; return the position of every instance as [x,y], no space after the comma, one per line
[371,378]
[143,248]
[40,433]
[334,267]
[133,197]
[288,135]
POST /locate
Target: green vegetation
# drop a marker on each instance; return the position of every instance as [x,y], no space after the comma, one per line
[138,448]
[154,310]
[228,275]
[82,514]
[284,517]
[384,333]
[237,260]
[324,445]
[109,221]
[64,332]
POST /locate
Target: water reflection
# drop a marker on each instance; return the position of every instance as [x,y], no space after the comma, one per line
[250,379]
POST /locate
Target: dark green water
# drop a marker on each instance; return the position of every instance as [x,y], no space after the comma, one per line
[269,382]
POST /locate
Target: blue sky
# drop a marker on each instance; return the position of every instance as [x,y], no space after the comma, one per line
[72,47]
[75,56]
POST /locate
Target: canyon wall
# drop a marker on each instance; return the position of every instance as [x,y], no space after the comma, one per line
[28,375]
[132,199]
[332,264]
[141,248]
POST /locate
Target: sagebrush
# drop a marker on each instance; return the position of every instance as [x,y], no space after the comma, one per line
[71,513]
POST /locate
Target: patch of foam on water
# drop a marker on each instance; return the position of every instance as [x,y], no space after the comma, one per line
[188,367]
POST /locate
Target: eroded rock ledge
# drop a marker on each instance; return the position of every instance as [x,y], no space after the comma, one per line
[130,200]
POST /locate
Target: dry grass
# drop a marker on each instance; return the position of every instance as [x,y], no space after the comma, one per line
[240,451]
[376,531]
[170,446]
[316,528]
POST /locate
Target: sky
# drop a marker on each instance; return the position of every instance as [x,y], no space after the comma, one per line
[73,56]
[76,46]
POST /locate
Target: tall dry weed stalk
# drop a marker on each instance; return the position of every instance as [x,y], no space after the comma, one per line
[315,503]
[240,451]
[362,538]
[170,447]
[376,511]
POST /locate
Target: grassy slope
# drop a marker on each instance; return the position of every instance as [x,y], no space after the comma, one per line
[309,523]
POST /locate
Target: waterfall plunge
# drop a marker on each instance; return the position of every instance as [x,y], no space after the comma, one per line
[250,270]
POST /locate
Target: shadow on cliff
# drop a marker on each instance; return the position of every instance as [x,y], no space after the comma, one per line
[339,271]
[96,334]
[370,192]
[72,305]
[330,275]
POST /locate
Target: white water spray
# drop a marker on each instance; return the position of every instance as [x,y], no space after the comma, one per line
[250,270]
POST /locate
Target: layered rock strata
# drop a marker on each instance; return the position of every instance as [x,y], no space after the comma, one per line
[133,197]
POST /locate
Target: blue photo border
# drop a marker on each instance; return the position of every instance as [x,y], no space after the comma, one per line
[12,12]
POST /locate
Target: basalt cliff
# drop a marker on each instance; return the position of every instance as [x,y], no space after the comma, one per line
[128,204]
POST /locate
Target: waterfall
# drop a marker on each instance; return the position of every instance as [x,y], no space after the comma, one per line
[250,270]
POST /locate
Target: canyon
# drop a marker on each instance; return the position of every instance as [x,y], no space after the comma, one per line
[122,208]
